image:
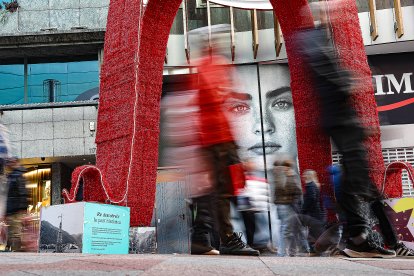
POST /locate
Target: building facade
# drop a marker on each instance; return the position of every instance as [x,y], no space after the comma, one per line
[51,53]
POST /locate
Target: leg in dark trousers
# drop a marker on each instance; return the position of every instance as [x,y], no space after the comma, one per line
[203,223]
[387,230]
[223,155]
[250,225]
[356,183]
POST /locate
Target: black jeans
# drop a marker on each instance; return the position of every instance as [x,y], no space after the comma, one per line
[356,183]
[222,156]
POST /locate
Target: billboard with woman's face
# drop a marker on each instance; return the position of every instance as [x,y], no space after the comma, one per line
[261,113]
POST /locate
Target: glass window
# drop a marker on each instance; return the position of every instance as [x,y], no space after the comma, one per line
[265,20]
[38,183]
[220,15]
[197,15]
[242,20]
[177,26]
[61,82]
[11,84]
[384,4]
[362,5]
[405,3]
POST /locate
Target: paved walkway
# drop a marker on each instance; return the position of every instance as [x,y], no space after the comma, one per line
[170,265]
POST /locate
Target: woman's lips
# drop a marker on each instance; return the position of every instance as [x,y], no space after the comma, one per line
[267,148]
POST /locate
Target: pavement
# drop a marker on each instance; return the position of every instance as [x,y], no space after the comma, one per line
[182,265]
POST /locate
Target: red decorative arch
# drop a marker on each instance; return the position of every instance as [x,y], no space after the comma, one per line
[131,80]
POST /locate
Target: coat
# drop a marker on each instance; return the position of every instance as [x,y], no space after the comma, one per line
[288,189]
[17,194]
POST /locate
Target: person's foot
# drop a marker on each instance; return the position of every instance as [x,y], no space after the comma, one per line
[198,248]
[403,251]
[235,246]
[367,249]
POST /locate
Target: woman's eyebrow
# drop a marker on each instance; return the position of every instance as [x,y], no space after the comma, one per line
[277,92]
[240,96]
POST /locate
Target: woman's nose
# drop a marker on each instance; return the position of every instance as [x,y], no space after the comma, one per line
[268,125]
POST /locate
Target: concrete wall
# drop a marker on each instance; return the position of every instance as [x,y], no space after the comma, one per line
[51,132]
[36,16]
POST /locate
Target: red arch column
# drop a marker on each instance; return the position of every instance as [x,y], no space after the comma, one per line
[128,117]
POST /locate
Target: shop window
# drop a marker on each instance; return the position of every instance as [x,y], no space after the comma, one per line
[38,183]
[384,4]
[197,15]
[61,82]
[242,20]
[362,5]
[220,15]
[265,20]
[177,27]
[405,3]
[12,84]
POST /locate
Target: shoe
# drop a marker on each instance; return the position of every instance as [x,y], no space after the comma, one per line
[336,252]
[403,251]
[214,252]
[267,249]
[235,246]
[367,249]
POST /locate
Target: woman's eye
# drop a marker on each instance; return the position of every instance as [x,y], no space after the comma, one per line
[239,108]
[282,104]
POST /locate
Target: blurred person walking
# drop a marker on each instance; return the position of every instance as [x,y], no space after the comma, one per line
[16,204]
[185,151]
[4,155]
[339,120]
[288,200]
[253,200]
[213,82]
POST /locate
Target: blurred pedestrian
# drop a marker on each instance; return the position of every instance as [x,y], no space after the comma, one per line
[312,216]
[253,200]
[16,204]
[213,83]
[186,152]
[288,200]
[4,155]
[332,85]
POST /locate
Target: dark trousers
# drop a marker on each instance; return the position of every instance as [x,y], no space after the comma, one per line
[249,220]
[387,230]
[204,224]
[222,156]
[356,183]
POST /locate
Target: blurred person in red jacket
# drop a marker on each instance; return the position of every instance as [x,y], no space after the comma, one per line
[214,83]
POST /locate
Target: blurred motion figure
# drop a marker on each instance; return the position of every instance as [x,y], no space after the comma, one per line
[332,85]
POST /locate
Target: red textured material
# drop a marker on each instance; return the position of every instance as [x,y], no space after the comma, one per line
[392,177]
[93,191]
[131,80]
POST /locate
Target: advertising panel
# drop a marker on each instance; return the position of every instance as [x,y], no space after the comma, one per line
[394,93]
[84,227]
[106,229]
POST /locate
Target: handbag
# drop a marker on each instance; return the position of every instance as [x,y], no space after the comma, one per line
[399,210]
[238,178]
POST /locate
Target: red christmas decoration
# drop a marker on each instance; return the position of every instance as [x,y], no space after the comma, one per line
[131,80]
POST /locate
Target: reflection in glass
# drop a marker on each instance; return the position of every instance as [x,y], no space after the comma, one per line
[61,82]
[220,15]
[405,3]
[177,26]
[265,20]
[38,183]
[12,84]
[384,4]
[362,5]
[242,20]
[197,15]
